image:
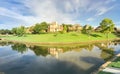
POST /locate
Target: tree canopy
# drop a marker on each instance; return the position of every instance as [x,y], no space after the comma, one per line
[107,26]
[39,27]
[20,31]
[87,29]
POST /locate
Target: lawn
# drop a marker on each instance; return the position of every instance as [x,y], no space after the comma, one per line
[58,37]
[115,63]
[102,72]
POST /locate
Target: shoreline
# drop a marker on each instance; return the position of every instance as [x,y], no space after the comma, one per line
[104,65]
[61,43]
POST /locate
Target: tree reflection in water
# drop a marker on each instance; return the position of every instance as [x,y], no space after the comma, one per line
[19,47]
[106,51]
[39,50]
[4,43]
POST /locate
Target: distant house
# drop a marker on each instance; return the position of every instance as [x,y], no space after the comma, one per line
[55,51]
[76,27]
[28,30]
[97,29]
[117,30]
[54,27]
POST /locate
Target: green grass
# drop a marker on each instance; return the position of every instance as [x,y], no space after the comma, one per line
[115,63]
[102,72]
[118,59]
[66,37]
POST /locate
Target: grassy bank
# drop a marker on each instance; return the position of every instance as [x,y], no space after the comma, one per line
[66,37]
[115,63]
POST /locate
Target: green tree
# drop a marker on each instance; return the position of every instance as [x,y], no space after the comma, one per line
[14,31]
[36,29]
[68,27]
[65,28]
[43,26]
[21,31]
[5,31]
[40,28]
[87,29]
[107,26]
[31,29]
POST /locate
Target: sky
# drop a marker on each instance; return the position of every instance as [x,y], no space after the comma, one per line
[14,13]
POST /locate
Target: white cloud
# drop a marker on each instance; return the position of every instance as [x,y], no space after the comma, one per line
[103,10]
[24,19]
[47,11]
[90,19]
[62,11]
[109,1]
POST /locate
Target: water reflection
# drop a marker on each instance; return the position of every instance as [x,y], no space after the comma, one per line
[39,50]
[54,60]
[106,51]
[19,47]
[55,51]
[3,43]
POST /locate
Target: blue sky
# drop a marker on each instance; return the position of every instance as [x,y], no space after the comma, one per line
[14,13]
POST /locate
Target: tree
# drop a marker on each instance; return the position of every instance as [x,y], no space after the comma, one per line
[40,27]
[44,26]
[65,28]
[107,26]
[31,29]
[20,31]
[68,27]
[36,29]
[14,31]
[87,29]
[5,31]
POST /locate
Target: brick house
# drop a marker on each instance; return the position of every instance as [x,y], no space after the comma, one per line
[76,27]
[54,27]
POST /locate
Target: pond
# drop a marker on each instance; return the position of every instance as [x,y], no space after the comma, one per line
[16,58]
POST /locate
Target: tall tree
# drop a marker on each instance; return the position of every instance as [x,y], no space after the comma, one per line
[14,31]
[65,28]
[20,31]
[5,31]
[107,26]
[87,29]
[36,29]
[43,26]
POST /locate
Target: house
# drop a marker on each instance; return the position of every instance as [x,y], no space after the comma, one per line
[97,29]
[76,27]
[55,51]
[117,30]
[29,30]
[54,27]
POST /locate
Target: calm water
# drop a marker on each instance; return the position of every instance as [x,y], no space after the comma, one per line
[26,59]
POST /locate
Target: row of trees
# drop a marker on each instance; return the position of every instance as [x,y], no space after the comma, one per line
[21,31]
[5,31]
[37,29]
[106,26]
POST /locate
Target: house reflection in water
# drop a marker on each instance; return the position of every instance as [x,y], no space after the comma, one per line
[55,51]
